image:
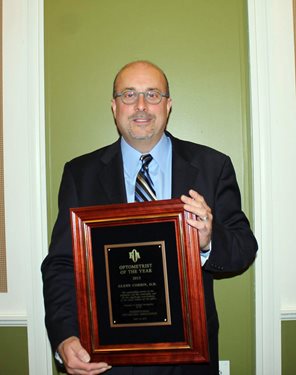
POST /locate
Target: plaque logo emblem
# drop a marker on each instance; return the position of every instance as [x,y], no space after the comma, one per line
[134,255]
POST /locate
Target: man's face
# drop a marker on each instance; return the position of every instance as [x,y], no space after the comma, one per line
[141,124]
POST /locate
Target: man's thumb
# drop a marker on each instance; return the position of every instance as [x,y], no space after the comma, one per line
[83,355]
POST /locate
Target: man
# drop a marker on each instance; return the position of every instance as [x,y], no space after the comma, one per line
[202,177]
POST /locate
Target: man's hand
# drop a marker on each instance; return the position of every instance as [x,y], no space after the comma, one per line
[76,358]
[196,204]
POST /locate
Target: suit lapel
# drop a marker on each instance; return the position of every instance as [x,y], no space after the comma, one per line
[184,171]
[111,176]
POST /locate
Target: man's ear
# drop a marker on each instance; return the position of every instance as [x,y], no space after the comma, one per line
[113,107]
[169,106]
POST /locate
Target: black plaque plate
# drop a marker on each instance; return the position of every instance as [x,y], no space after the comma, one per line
[137,283]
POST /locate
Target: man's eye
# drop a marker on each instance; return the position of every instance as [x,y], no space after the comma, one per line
[152,94]
[129,94]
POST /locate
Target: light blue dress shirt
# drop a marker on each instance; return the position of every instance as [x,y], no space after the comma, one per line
[160,168]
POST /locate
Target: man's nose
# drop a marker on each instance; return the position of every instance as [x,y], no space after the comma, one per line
[141,103]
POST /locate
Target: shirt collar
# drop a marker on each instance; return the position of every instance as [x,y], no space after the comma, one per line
[131,156]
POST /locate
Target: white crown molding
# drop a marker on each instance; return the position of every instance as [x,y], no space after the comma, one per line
[13,320]
[288,315]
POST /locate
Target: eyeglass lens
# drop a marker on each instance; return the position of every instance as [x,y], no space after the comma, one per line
[131,96]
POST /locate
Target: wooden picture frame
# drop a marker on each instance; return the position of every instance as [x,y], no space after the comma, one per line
[139,284]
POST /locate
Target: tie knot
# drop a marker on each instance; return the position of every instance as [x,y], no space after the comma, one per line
[146,159]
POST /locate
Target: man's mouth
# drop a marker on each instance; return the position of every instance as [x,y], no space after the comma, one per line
[141,118]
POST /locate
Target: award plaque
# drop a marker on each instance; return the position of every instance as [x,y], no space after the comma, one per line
[139,284]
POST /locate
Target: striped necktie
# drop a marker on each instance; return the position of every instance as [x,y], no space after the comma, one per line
[144,190]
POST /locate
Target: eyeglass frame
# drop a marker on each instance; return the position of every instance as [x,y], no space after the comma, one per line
[120,95]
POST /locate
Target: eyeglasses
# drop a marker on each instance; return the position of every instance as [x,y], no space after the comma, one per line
[131,96]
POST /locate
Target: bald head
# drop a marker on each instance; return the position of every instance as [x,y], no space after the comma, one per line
[140,63]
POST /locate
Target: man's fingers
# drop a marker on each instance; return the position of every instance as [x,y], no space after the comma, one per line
[77,360]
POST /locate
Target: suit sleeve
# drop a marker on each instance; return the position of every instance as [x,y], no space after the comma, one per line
[233,243]
[58,270]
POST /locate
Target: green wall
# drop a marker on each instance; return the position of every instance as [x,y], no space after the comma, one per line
[13,351]
[202,46]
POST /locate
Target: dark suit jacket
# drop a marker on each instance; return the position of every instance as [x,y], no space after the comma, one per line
[97,178]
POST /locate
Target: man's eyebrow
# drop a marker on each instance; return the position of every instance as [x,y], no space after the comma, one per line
[129,88]
[134,89]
